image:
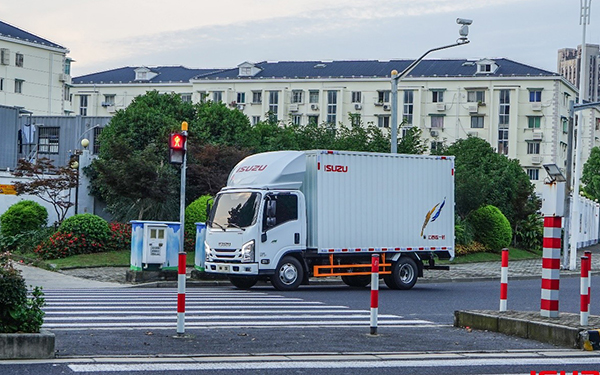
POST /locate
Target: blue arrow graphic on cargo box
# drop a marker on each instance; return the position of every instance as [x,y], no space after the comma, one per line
[429,218]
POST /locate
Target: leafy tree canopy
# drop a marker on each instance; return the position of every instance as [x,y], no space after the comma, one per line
[590,175]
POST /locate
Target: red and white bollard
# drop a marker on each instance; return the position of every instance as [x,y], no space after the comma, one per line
[584,310]
[504,280]
[588,254]
[181,294]
[551,266]
[374,292]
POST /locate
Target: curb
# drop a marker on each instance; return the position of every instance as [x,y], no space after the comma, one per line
[27,345]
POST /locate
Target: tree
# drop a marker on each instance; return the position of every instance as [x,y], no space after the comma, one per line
[411,142]
[590,175]
[47,182]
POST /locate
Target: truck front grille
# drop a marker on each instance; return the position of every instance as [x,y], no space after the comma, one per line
[227,255]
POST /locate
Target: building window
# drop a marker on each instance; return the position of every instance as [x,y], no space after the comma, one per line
[110,100]
[503,141]
[383,121]
[477,122]
[405,130]
[533,148]
[534,122]
[241,97]
[255,120]
[1,84]
[356,97]
[475,96]
[297,96]
[313,119]
[533,173]
[436,146]
[83,104]
[504,109]
[257,97]
[535,95]
[355,119]
[437,122]
[565,125]
[217,96]
[437,96]
[331,106]
[48,140]
[313,96]
[186,98]
[97,132]
[19,59]
[67,66]
[407,110]
[383,96]
[598,124]
[296,119]
[273,105]
[19,86]
[245,71]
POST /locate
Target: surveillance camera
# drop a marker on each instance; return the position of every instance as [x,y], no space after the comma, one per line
[464,21]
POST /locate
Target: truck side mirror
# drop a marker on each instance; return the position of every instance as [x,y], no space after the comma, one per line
[271,208]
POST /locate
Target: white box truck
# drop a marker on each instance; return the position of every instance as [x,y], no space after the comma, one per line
[286,216]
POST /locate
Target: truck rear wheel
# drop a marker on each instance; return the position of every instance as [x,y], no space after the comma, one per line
[243,282]
[288,275]
[404,274]
[359,281]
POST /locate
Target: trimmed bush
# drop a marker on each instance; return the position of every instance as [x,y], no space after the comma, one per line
[120,237]
[22,217]
[92,227]
[17,312]
[490,227]
[194,213]
[62,245]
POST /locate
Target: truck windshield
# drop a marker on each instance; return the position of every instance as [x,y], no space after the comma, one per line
[236,210]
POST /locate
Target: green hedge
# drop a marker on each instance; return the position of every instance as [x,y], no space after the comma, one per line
[490,227]
[22,217]
[92,227]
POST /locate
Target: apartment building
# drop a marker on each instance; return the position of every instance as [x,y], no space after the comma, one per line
[569,66]
[34,73]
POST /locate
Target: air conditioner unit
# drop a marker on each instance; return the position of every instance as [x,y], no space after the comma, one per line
[378,104]
[387,107]
[110,109]
[293,107]
[538,135]
[66,78]
[536,106]
[358,106]
[441,106]
[473,108]
[473,134]
[434,133]
[241,106]
[314,107]
[536,159]
[105,104]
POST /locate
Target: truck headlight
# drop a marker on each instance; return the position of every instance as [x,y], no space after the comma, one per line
[207,252]
[248,252]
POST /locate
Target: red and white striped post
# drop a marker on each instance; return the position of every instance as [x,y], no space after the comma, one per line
[374,292]
[584,309]
[588,254]
[181,293]
[551,266]
[504,280]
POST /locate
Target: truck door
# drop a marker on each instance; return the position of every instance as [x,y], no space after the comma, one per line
[283,227]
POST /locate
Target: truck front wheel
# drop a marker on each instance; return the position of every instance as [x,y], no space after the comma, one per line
[243,282]
[288,275]
[404,274]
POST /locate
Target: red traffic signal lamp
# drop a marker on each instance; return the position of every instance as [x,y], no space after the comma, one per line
[177,148]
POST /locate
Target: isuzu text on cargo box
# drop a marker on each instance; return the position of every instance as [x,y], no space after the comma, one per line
[289,215]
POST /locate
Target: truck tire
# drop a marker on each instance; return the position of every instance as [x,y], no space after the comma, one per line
[404,274]
[288,275]
[359,281]
[243,282]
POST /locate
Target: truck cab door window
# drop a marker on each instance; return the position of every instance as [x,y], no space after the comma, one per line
[280,209]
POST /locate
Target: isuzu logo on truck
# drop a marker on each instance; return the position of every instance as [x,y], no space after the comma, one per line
[251,168]
[336,168]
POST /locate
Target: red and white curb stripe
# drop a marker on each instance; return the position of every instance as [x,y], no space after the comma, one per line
[551,266]
[504,280]
[374,292]
[584,290]
[181,294]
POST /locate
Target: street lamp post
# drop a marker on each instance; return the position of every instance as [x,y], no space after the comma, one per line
[464,32]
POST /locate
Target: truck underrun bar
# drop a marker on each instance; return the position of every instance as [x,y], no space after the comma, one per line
[350,269]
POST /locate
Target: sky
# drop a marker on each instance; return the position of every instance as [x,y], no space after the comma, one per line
[110,34]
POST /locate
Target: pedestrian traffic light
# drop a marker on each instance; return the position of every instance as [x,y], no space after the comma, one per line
[177,148]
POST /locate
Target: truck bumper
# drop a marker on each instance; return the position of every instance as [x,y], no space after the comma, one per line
[240,269]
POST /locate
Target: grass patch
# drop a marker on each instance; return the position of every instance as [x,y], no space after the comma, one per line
[513,254]
[109,259]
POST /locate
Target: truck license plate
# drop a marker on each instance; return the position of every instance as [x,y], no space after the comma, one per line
[223,268]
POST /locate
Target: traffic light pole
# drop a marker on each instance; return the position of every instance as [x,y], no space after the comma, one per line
[182,256]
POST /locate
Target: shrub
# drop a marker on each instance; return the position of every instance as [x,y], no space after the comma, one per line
[529,233]
[17,312]
[463,232]
[490,227]
[194,213]
[62,245]
[92,227]
[120,237]
[22,217]
[471,248]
